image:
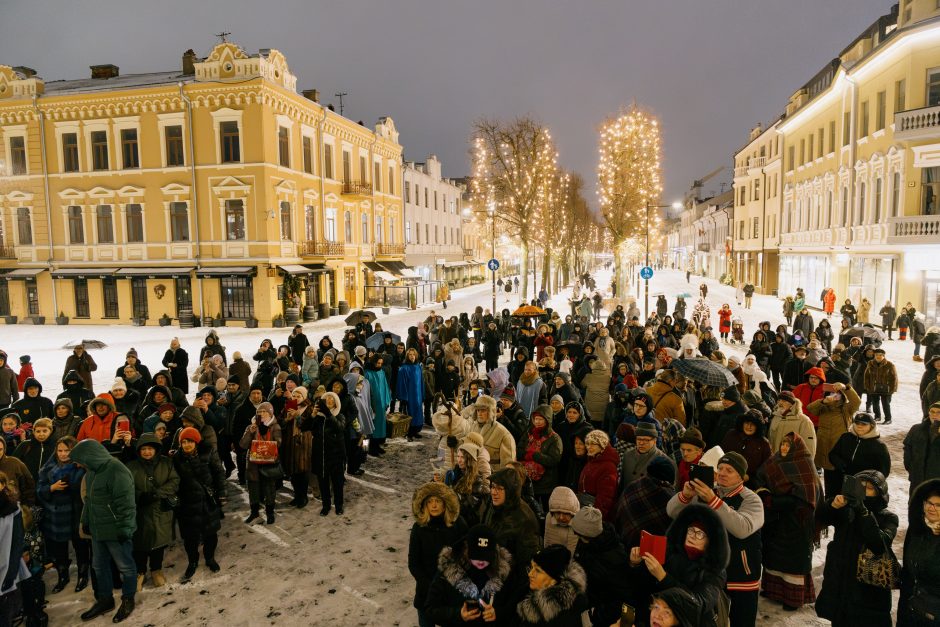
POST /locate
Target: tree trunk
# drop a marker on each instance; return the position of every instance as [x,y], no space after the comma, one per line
[523,269]
[621,271]
[546,271]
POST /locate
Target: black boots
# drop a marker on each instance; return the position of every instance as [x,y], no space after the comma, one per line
[82,581]
[374,448]
[63,572]
[213,565]
[100,607]
[269,511]
[127,606]
[190,571]
[255,512]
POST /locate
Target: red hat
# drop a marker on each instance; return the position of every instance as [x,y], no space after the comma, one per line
[816,372]
[191,433]
[166,407]
[509,393]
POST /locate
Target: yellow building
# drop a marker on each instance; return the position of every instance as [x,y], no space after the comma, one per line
[861,169]
[133,197]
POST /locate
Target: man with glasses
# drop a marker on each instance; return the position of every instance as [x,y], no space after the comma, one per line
[635,461]
[742,513]
[922,448]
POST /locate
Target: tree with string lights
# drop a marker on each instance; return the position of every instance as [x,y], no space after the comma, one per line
[514,181]
[629,183]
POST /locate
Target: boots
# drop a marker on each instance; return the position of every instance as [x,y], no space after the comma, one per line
[100,607]
[82,580]
[255,512]
[63,581]
[269,511]
[374,449]
[190,571]
[918,358]
[213,565]
[159,579]
[140,581]
[127,606]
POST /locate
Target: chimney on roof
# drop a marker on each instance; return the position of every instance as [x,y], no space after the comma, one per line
[28,72]
[189,63]
[312,94]
[104,71]
[331,107]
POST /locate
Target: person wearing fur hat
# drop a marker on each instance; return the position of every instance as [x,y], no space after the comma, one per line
[633,465]
[438,524]
[497,439]
[37,450]
[604,560]
[812,390]
[748,438]
[599,477]
[697,556]
[860,525]
[860,448]
[155,483]
[642,505]
[563,504]
[789,417]
[540,452]
[834,412]
[881,381]
[742,514]
[202,486]
[510,518]
[557,591]
[260,488]
[470,577]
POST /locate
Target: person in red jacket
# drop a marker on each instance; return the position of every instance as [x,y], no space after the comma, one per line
[724,321]
[599,476]
[26,372]
[99,424]
[811,390]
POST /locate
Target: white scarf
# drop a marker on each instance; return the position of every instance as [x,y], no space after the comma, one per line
[6,545]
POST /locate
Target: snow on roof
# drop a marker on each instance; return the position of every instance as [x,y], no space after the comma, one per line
[126,81]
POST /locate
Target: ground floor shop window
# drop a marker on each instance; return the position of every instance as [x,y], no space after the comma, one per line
[871,278]
[32,298]
[110,293]
[237,303]
[139,297]
[810,272]
[184,294]
[81,298]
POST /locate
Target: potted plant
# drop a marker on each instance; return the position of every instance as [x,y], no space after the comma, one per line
[412,299]
[165,320]
[278,321]
[139,322]
[251,323]
[218,321]
[61,318]
[10,319]
[39,320]
[292,288]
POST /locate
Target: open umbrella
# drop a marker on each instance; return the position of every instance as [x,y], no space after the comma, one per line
[574,348]
[360,315]
[527,311]
[86,343]
[377,339]
[866,332]
[704,371]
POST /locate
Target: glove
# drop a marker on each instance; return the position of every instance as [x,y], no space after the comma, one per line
[452,441]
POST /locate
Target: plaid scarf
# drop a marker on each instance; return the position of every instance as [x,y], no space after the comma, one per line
[642,507]
[793,475]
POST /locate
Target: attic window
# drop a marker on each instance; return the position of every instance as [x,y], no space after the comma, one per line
[3,88]
[277,74]
[227,67]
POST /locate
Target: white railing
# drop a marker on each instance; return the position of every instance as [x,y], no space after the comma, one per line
[757,162]
[914,230]
[917,123]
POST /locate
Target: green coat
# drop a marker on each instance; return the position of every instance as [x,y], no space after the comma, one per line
[154,526]
[110,511]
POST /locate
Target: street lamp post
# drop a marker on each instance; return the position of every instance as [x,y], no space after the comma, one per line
[492,212]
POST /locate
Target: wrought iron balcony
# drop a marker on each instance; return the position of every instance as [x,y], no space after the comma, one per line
[317,248]
[7,252]
[921,123]
[357,188]
[389,249]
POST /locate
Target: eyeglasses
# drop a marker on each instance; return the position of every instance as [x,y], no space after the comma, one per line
[934,505]
[497,488]
[695,533]
[637,404]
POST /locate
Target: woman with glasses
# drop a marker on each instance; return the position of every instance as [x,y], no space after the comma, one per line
[556,593]
[920,578]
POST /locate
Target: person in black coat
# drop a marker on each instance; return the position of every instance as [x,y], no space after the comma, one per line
[603,557]
[298,343]
[780,354]
[32,405]
[860,448]
[922,448]
[761,349]
[492,349]
[267,366]
[867,524]
[438,524]
[329,451]
[794,372]
[212,347]
[555,595]
[177,396]
[73,388]
[143,370]
[202,486]
[825,334]
[176,360]
[920,574]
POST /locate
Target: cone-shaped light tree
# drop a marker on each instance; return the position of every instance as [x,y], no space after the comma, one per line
[514,180]
[629,180]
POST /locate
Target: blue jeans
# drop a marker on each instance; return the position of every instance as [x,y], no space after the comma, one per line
[103,551]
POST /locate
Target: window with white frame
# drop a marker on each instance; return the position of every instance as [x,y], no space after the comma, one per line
[230,140]
[364,169]
[134,219]
[173,144]
[377,176]
[283,146]
[391,229]
[70,161]
[407,231]
[18,155]
[391,179]
[76,225]
[286,231]
[365,228]
[328,160]
[310,223]
[234,219]
[179,221]
[895,194]
[307,145]
[378,230]
[347,166]
[861,203]
[933,87]
[329,225]
[24,226]
[876,201]
[130,154]
[99,150]
[348,226]
[104,221]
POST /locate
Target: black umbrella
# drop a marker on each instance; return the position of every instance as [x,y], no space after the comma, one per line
[704,371]
[360,316]
[865,331]
[375,340]
[98,344]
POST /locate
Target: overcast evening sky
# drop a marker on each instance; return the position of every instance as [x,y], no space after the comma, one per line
[710,69]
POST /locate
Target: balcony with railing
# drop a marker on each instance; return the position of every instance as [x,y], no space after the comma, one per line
[757,162]
[923,123]
[914,230]
[7,252]
[389,249]
[318,248]
[357,188]
[740,171]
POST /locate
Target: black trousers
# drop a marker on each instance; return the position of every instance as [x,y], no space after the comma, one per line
[354,454]
[300,481]
[209,540]
[154,556]
[225,452]
[878,402]
[743,608]
[331,487]
[58,552]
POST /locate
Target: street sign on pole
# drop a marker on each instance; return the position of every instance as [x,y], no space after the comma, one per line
[493,265]
[646,273]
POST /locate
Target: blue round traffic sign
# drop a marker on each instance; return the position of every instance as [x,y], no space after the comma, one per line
[646,273]
[493,265]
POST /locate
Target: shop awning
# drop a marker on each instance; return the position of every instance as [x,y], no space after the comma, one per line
[398,268]
[454,264]
[153,273]
[23,273]
[385,276]
[295,269]
[375,267]
[317,268]
[83,273]
[215,273]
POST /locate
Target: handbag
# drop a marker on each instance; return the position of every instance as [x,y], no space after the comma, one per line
[263,451]
[881,571]
[272,472]
[881,389]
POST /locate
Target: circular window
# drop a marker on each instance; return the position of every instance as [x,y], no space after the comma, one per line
[227,67]
[3,88]
[277,74]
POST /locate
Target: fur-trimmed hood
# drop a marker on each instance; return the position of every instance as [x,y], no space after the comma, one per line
[915,516]
[441,491]
[453,564]
[717,554]
[543,606]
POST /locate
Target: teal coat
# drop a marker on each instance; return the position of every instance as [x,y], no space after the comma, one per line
[110,510]
[381,398]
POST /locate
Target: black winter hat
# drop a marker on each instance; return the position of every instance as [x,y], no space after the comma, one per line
[736,461]
[864,417]
[731,393]
[233,379]
[660,469]
[554,560]
[481,543]
[24,359]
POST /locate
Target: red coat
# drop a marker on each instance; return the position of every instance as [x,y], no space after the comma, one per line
[829,301]
[540,342]
[26,371]
[724,320]
[599,479]
[807,394]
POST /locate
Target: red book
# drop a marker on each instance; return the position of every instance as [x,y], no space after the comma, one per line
[654,545]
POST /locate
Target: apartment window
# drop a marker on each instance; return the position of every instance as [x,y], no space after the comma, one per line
[756,189]
[173,139]
[329,225]
[427,234]
[110,293]
[286,231]
[931,185]
[811,152]
[407,231]
[418,233]
[104,220]
[24,227]
[234,219]
[179,222]
[130,157]
[933,87]
[17,155]
[134,215]
[237,302]
[791,155]
[828,217]
[391,179]
[328,161]
[32,297]
[231,146]
[435,200]
[363,168]
[348,227]
[832,136]
[99,150]
[863,120]
[846,128]
[436,240]
[76,225]
[310,223]
[184,294]
[820,144]
[81,297]
[391,230]
[741,229]
[425,197]
[895,194]
[283,146]
[139,305]
[377,176]
[900,95]
[881,110]
[307,146]
[70,152]
[4,298]
[845,206]
[347,166]
[877,200]
[861,203]
[802,151]
[378,230]
[754,228]
[407,191]
[365,228]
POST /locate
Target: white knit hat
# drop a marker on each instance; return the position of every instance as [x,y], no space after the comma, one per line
[118,384]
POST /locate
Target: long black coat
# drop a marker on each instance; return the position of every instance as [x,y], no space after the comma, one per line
[920,570]
[202,483]
[329,442]
[921,454]
[298,344]
[425,545]
[852,454]
[605,560]
[178,375]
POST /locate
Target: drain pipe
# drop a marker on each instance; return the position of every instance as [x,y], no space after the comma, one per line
[322,151]
[45,180]
[192,170]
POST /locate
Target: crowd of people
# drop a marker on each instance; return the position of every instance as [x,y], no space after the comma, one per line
[602,472]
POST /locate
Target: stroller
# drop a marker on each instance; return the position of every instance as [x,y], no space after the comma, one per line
[737,331]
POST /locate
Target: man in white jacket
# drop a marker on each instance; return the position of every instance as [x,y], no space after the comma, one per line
[789,418]
[497,440]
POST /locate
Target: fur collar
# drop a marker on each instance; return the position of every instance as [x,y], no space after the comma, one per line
[543,606]
[453,568]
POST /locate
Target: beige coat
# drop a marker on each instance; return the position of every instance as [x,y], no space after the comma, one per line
[834,420]
[497,441]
